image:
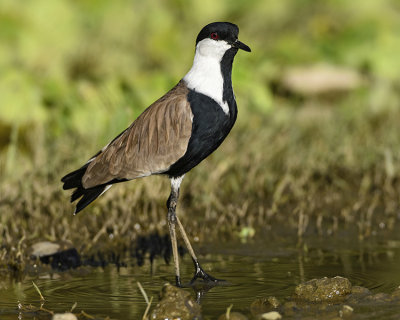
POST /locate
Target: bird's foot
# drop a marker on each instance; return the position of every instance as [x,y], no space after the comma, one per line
[199,273]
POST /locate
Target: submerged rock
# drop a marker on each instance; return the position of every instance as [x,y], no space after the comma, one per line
[325,289]
[290,308]
[380,297]
[360,291]
[176,303]
[334,299]
[396,293]
[263,305]
[358,294]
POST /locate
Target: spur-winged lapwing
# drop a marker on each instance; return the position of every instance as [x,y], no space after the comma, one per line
[174,134]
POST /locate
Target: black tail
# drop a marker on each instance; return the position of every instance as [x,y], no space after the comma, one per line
[74,180]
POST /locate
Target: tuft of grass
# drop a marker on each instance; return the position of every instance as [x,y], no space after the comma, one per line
[38,291]
[324,170]
[228,312]
[309,163]
[148,302]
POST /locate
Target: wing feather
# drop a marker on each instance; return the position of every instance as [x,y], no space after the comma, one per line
[154,141]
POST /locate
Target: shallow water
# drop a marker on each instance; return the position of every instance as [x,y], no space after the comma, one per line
[273,266]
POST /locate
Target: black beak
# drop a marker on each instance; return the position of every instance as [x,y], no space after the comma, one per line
[241,45]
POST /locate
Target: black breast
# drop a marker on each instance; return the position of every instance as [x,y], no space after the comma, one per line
[210,127]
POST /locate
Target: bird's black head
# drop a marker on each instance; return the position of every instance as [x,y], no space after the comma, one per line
[222,31]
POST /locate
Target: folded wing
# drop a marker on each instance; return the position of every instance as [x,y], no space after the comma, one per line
[154,141]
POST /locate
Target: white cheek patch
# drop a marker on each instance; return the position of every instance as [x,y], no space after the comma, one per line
[205,75]
[213,48]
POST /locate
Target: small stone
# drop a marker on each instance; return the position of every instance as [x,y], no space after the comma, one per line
[290,308]
[273,315]
[346,311]
[396,293]
[64,316]
[357,290]
[263,305]
[233,316]
[358,294]
[379,298]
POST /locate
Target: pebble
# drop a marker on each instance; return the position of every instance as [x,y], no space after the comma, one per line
[64,316]
[346,311]
[273,315]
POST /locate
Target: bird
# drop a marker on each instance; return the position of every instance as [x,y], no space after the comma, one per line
[173,135]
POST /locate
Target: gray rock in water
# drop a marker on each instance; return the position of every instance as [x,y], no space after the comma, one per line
[325,289]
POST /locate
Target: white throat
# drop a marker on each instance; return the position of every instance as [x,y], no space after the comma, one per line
[205,76]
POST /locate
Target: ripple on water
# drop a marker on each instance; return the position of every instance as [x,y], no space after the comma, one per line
[251,271]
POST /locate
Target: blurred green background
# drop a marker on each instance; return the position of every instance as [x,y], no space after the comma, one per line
[318,99]
[87,68]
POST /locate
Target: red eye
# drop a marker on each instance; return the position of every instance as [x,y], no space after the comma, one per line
[214,36]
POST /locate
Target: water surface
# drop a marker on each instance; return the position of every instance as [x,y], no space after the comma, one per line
[269,267]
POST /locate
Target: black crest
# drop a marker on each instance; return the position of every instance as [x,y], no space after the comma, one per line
[226,31]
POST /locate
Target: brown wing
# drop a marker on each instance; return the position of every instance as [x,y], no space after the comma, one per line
[152,143]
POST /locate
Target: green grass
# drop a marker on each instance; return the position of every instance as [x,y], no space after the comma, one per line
[74,74]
